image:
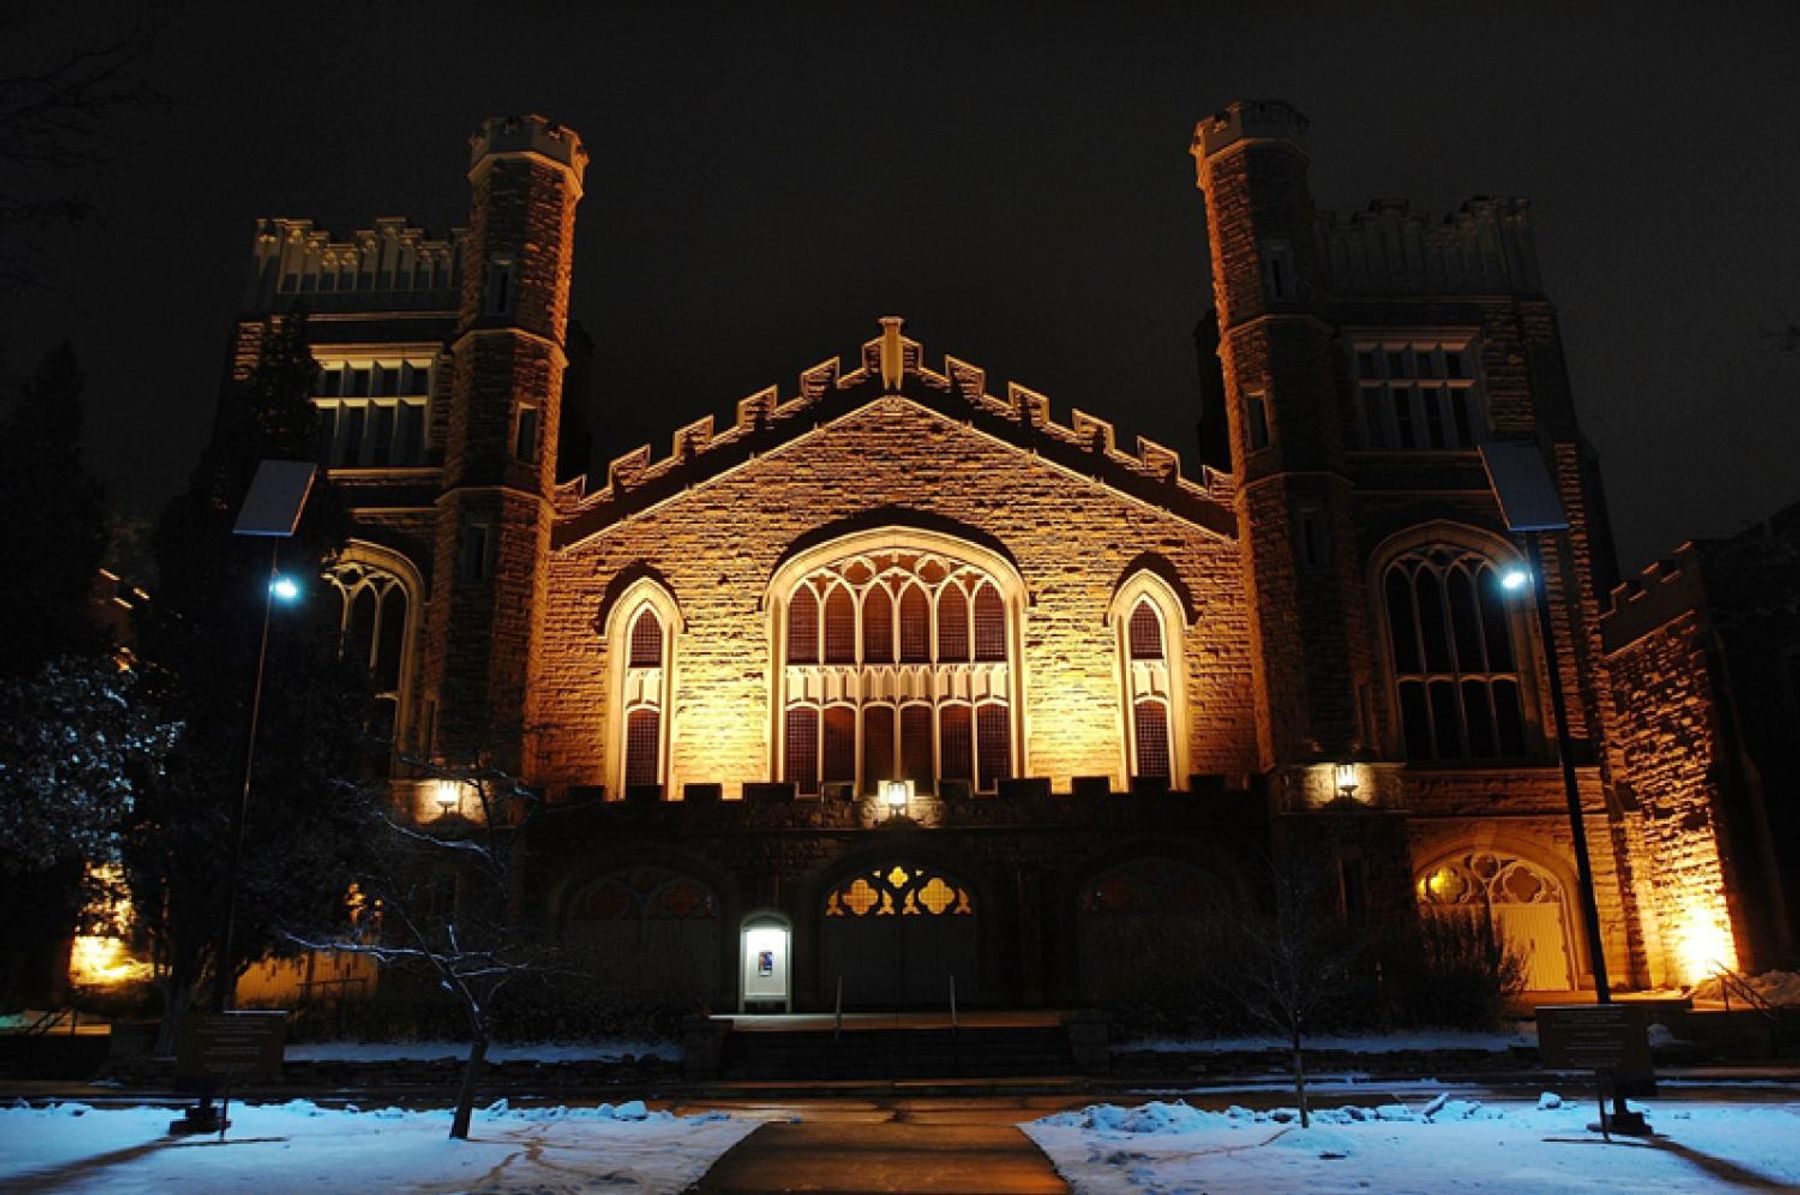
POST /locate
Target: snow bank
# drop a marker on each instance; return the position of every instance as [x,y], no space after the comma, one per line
[1440,1145]
[299,1146]
[1780,988]
[434,1051]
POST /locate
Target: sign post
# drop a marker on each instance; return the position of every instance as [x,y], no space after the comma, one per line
[1612,1040]
[226,1046]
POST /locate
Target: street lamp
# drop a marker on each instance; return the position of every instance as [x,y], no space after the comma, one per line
[1344,775]
[271,510]
[1528,502]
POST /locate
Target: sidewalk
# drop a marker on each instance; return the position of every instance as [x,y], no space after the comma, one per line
[959,1147]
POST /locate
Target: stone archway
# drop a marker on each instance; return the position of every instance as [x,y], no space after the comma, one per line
[1138,917]
[1525,903]
[895,934]
[647,933]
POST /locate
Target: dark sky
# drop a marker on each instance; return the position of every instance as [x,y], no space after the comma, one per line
[1013,179]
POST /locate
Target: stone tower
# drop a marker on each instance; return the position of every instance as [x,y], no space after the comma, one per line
[1286,435]
[494,512]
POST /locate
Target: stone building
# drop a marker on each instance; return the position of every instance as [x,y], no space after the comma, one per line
[1093,685]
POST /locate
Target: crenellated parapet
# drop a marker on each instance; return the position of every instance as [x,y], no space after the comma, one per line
[394,266]
[893,363]
[1486,247]
[1656,597]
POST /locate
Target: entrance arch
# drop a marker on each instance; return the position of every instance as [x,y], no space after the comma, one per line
[1526,905]
[895,935]
[648,933]
[1139,919]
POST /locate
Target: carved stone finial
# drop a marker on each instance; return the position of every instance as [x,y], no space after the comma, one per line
[893,354]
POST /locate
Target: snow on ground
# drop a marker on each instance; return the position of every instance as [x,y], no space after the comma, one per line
[1780,988]
[1428,1148]
[1375,1043]
[430,1051]
[294,1147]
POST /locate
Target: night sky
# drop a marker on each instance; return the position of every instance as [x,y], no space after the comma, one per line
[766,182]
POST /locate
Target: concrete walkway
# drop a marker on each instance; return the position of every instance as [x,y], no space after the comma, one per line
[938,1147]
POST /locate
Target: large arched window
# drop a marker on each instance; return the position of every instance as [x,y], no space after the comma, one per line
[898,664]
[641,629]
[1454,655]
[375,630]
[1147,615]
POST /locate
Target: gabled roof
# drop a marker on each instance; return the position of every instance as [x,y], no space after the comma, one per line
[894,364]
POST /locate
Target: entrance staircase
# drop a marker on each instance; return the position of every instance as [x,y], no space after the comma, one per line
[896,1046]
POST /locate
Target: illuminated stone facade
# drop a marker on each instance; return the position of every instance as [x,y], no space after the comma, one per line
[1105,683]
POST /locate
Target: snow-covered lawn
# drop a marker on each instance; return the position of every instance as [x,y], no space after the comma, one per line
[297,1146]
[1444,1145]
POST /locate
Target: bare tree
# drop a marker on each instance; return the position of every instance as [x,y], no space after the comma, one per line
[1292,960]
[444,892]
[57,120]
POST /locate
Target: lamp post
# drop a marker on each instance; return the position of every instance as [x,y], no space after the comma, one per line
[271,510]
[1529,504]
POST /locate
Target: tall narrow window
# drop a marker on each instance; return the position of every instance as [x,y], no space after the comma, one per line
[1455,668]
[840,627]
[878,627]
[643,697]
[803,748]
[953,624]
[1147,613]
[803,627]
[955,745]
[1256,407]
[990,624]
[1279,281]
[472,552]
[839,762]
[525,435]
[915,626]
[993,744]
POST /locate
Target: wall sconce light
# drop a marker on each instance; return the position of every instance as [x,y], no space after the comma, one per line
[1344,778]
[448,795]
[896,795]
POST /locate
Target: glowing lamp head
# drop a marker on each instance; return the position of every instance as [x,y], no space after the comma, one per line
[448,795]
[1345,779]
[284,589]
[894,794]
[1514,579]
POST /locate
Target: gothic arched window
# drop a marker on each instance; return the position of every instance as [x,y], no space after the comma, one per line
[641,629]
[1455,663]
[373,631]
[1148,616]
[906,676]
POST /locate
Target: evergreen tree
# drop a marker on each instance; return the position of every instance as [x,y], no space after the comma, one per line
[306,820]
[54,532]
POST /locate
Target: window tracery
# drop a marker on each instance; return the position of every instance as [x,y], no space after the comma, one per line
[1455,663]
[906,676]
[899,890]
[642,628]
[373,631]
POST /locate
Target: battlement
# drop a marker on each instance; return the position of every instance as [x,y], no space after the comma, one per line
[395,265]
[1249,120]
[886,360]
[1486,247]
[529,134]
[1662,593]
